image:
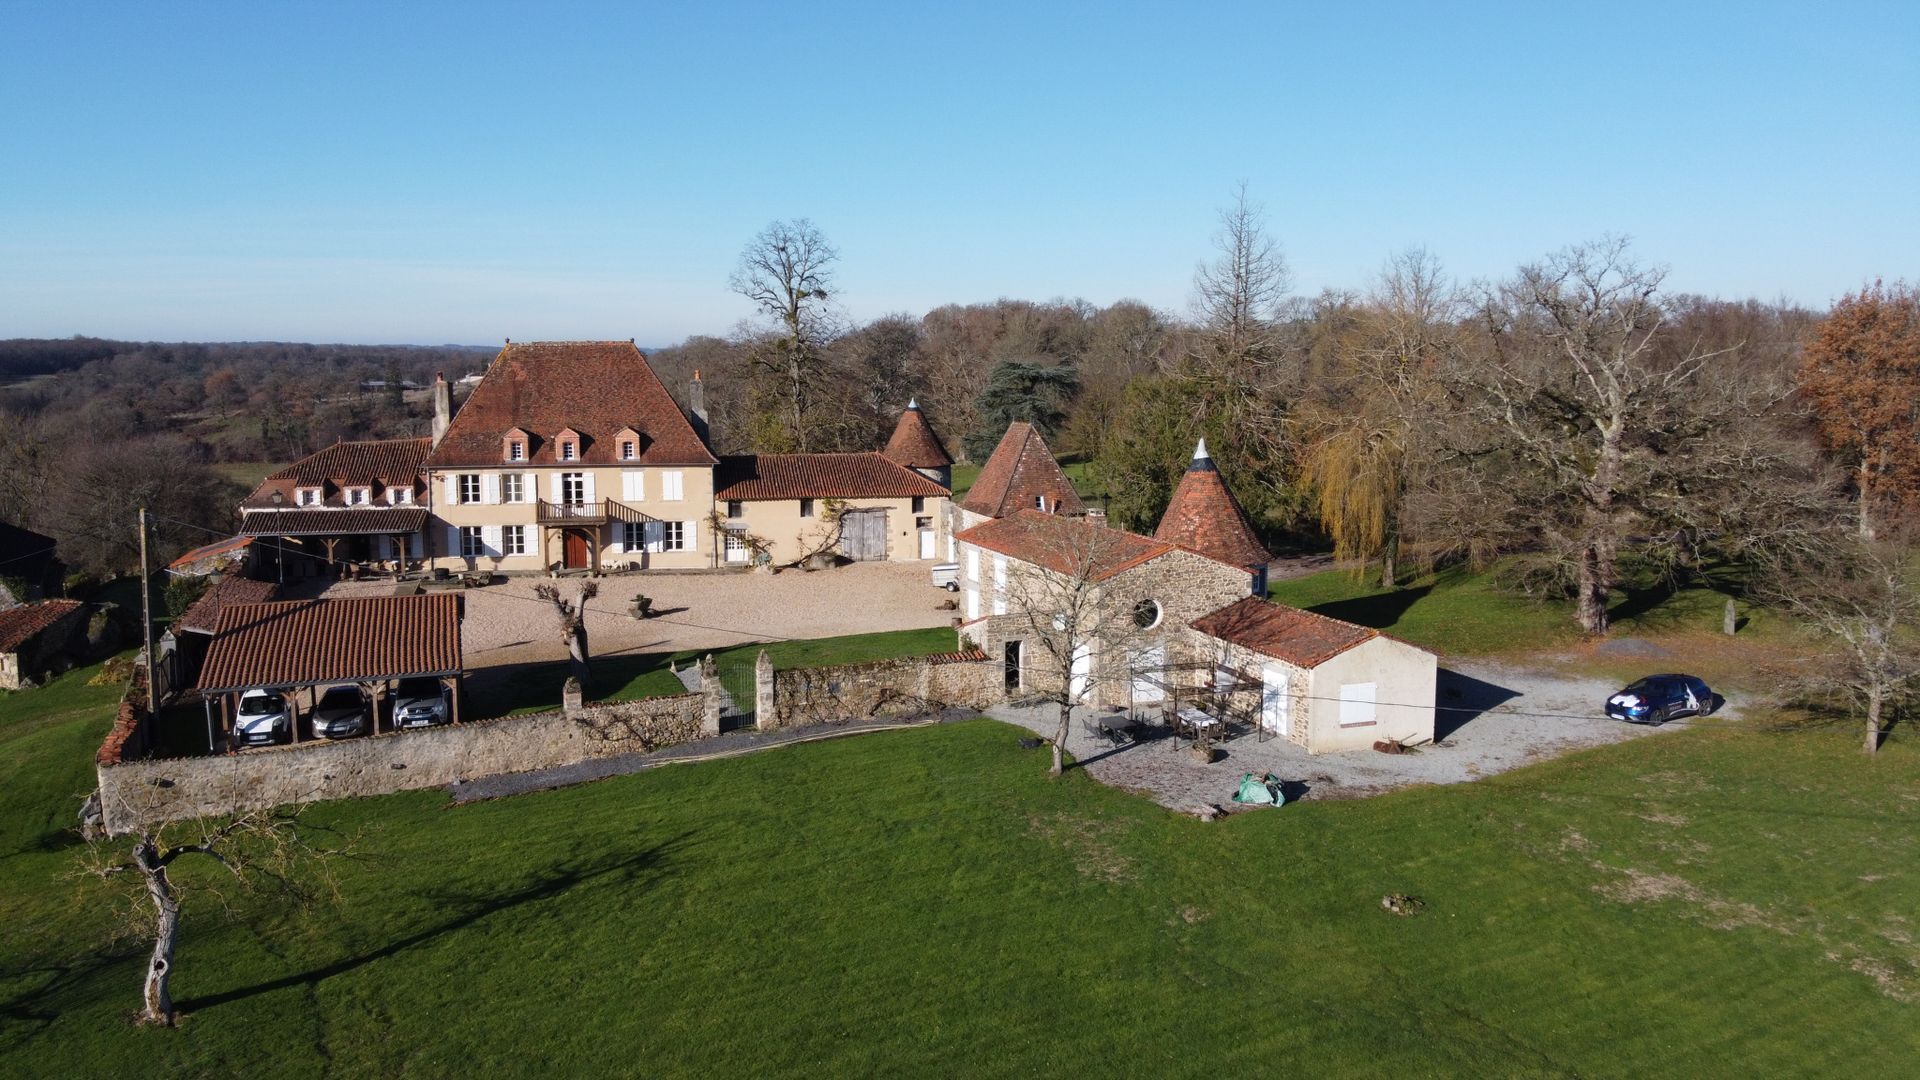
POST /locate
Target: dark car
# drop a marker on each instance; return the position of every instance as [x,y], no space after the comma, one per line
[1657,699]
[341,713]
[420,703]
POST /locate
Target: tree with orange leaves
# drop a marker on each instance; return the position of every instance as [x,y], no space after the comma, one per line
[1861,374]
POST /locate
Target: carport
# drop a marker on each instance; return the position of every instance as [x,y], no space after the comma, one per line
[306,644]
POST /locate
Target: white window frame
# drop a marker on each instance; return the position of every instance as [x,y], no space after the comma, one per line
[513,540]
[676,536]
[513,487]
[516,450]
[357,496]
[1040,502]
[400,496]
[673,486]
[569,450]
[806,508]
[473,542]
[585,495]
[471,489]
[307,496]
[629,449]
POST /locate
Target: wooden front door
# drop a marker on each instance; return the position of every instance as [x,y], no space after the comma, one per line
[579,553]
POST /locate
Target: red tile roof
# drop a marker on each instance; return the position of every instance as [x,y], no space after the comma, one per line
[593,387]
[1020,469]
[818,476]
[1203,516]
[379,464]
[18,625]
[914,444]
[230,546]
[203,615]
[358,521]
[1064,545]
[303,642]
[1299,637]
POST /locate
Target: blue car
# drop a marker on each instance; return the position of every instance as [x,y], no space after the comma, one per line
[1657,699]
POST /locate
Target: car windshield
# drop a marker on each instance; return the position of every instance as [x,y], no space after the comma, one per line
[418,689]
[340,697]
[262,703]
[1643,687]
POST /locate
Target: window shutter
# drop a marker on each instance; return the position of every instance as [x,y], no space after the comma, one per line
[453,540]
[587,479]
[672,486]
[651,534]
[633,485]
[490,489]
[453,489]
[413,542]
[619,544]
[530,487]
[686,537]
[490,540]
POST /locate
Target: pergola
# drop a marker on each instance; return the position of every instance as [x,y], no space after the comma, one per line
[306,644]
[1211,693]
[331,525]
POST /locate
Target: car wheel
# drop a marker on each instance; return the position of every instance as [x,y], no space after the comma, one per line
[953,586]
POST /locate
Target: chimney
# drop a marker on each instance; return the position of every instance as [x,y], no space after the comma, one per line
[1097,516]
[697,408]
[442,406]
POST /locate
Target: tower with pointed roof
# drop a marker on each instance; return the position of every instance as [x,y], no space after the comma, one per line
[914,445]
[1021,474]
[1203,516]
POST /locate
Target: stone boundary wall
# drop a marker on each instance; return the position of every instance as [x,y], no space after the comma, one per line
[135,793]
[127,737]
[843,693]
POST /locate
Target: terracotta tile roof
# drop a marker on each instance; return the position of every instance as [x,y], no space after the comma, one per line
[18,625]
[914,444]
[358,521]
[203,615]
[379,464]
[964,656]
[818,476]
[1299,637]
[1064,545]
[1204,517]
[302,642]
[212,552]
[1019,469]
[596,388]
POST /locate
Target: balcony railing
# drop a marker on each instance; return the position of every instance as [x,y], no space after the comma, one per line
[598,512]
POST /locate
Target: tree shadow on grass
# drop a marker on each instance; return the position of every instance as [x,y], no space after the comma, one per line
[1379,611]
[1462,698]
[638,867]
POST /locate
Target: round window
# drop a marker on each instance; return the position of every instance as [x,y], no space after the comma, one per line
[1146,614]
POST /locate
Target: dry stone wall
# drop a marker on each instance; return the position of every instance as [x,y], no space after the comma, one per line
[133,793]
[845,693]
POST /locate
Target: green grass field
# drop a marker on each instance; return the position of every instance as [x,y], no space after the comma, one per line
[627,676]
[1706,903]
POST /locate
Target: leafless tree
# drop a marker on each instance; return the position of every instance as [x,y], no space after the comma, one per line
[1589,427]
[1864,603]
[1077,616]
[1236,295]
[572,613]
[786,272]
[271,848]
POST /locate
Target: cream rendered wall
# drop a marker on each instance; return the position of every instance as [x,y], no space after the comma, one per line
[695,504]
[778,521]
[1404,679]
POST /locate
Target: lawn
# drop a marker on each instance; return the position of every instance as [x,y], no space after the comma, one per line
[1462,612]
[627,676]
[1703,903]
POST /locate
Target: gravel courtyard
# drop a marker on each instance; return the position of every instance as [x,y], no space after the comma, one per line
[506,623]
[1495,717]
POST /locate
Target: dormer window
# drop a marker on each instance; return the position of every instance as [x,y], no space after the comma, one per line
[627,444]
[1039,502]
[516,450]
[400,496]
[307,496]
[358,496]
[569,451]
[566,445]
[514,445]
[629,450]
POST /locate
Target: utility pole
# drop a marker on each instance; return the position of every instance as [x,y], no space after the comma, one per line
[146,618]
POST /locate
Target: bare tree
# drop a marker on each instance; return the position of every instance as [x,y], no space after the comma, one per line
[1237,294]
[261,848]
[1077,615]
[572,613]
[786,272]
[1865,604]
[1591,428]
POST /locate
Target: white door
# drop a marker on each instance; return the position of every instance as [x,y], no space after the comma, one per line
[1082,671]
[1276,713]
[926,543]
[1356,704]
[736,548]
[573,488]
[1146,676]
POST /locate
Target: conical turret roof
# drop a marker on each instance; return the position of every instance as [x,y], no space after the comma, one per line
[1022,474]
[1204,516]
[914,444]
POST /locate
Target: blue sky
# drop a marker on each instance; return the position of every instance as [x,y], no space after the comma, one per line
[406,173]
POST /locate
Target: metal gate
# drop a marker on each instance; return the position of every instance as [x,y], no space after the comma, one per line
[863,534]
[735,673]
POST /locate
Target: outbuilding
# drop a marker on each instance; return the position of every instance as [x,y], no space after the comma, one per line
[298,645]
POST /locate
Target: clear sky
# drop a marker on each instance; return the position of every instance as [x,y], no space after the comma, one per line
[463,173]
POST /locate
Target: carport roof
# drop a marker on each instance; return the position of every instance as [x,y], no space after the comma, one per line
[307,642]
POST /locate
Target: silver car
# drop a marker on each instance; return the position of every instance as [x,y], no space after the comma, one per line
[420,703]
[341,713]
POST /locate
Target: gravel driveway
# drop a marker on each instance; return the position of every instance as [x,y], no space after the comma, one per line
[1495,717]
[506,624]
